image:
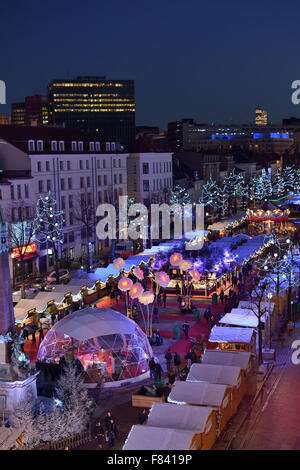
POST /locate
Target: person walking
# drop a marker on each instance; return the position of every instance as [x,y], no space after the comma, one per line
[177,362]
[185,327]
[158,371]
[111,433]
[100,434]
[152,366]
[107,419]
[172,377]
[179,300]
[222,296]
[41,332]
[142,416]
[189,357]
[168,358]
[165,299]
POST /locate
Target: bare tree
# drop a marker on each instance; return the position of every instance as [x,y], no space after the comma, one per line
[21,233]
[85,214]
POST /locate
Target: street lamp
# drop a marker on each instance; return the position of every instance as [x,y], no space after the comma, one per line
[269,295]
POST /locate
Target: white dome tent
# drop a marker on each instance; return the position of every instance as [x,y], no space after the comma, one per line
[100,338]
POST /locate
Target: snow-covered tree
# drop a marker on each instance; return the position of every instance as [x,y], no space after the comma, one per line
[23,417]
[288,177]
[233,188]
[212,194]
[278,186]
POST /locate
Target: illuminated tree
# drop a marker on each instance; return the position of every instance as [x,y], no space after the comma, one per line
[212,194]
[49,226]
[234,186]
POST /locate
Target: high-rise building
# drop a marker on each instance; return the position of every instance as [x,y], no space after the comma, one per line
[102,108]
[3,119]
[261,116]
[32,112]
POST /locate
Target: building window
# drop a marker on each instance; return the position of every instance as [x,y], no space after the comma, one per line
[12,192]
[40,146]
[114,163]
[146,185]
[54,146]
[97,146]
[61,146]
[80,146]
[98,164]
[27,212]
[47,166]
[69,183]
[99,180]
[87,164]
[81,182]
[80,164]
[120,178]
[62,184]
[3,402]
[68,165]
[72,250]
[88,181]
[61,165]
[145,168]
[105,180]
[71,201]
[92,146]
[40,184]
[107,146]
[31,145]
[104,164]
[39,166]
[26,191]
[99,197]
[115,179]
[119,162]
[113,146]
[71,238]
[63,202]
[13,214]
[153,167]
[48,185]
[74,146]
[71,218]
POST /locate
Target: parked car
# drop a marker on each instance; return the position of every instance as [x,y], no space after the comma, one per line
[39,282]
[64,276]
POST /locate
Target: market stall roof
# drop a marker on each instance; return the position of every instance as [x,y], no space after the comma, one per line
[227,358]
[169,415]
[228,334]
[73,288]
[155,438]
[248,305]
[223,223]
[216,374]
[197,393]
[48,296]
[92,321]
[241,317]
[22,307]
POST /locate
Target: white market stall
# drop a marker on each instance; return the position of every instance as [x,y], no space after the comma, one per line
[200,420]
[204,394]
[241,359]
[220,374]
[234,338]
[155,438]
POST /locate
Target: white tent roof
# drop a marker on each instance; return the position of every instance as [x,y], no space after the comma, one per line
[228,334]
[22,307]
[45,297]
[247,304]
[92,321]
[216,374]
[73,288]
[227,358]
[155,438]
[197,393]
[241,317]
[223,223]
[169,415]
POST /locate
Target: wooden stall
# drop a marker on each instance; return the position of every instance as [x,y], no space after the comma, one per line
[155,438]
[244,318]
[146,396]
[244,360]
[220,374]
[201,420]
[234,338]
[215,396]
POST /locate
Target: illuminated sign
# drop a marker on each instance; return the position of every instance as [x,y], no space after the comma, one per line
[25,250]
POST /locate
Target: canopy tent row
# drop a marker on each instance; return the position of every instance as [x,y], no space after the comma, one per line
[241,359]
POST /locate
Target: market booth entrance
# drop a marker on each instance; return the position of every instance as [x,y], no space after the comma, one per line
[110,346]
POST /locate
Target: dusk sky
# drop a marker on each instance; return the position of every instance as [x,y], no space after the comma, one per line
[213,61]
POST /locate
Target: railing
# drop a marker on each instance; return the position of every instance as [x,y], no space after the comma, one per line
[71,442]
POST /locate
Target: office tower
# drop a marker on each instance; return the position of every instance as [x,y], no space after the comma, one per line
[32,112]
[102,108]
[261,116]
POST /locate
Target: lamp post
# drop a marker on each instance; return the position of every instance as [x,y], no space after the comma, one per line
[270,323]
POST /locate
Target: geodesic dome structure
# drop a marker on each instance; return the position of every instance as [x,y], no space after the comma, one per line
[102,339]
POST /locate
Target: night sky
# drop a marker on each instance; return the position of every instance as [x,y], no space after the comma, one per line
[213,60]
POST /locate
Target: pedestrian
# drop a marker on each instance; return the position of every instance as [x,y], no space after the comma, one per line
[165,299]
[168,358]
[177,362]
[189,357]
[53,318]
[152,366]
[112,296]
[142,416]
[172,377]
[41,332]
[158,371]
[100,434]
[179,300]
[185,327]
[107,418]
[166,391]
[222,296]
[111,433]
[155,313]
